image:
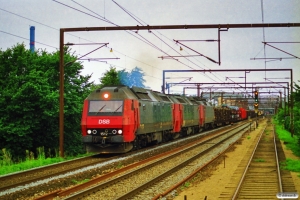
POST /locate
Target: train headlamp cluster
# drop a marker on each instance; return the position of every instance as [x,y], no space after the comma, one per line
[105,133]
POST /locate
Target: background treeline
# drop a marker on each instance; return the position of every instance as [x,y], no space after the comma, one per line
[29,100]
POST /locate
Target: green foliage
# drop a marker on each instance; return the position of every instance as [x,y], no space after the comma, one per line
[259,160]
[283,131]
[110,77]
[119,166]
[291,165]
[187,184]
[81,181]
[8,166]
[284,120]
[5,158]
[290,142]
[136,78]
[114,77]
[124,77]
[296,93]
[29,101]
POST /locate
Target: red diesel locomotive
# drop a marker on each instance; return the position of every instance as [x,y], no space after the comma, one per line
[117,119]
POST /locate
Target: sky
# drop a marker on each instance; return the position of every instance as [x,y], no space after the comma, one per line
[240,48]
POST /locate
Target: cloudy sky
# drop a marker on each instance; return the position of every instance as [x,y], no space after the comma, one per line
[142,49]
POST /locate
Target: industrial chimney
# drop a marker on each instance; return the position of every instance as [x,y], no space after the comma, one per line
[32,31]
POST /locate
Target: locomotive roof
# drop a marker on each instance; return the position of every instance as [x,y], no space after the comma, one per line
[116,92]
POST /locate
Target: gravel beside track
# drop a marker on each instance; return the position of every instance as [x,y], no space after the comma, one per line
[186,171]
[130,183]
[19,178]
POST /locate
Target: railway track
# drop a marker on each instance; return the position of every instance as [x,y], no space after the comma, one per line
[261,178]
[28,176]
[145,179]
[54,178]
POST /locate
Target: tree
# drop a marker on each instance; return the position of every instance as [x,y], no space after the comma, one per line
[286,120]
[296,110]
[110,77]
[124,77]
[29,100]
[133,78]
[136,77]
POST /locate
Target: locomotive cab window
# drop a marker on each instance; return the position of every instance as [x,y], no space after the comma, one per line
[100,108]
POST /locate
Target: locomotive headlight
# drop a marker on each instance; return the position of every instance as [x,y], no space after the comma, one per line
[120,131]
[106,95]
[94,131]
[89,131]
[114,131]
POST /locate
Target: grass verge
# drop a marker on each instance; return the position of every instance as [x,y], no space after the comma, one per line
[7,166]
[292,144]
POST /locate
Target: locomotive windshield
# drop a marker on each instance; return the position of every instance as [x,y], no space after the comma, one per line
[101,108]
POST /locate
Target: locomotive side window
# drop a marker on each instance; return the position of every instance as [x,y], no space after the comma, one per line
[101,108]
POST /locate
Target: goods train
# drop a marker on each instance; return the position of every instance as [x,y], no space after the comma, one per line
[118,119]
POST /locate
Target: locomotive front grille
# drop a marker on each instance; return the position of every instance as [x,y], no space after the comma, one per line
[103,140]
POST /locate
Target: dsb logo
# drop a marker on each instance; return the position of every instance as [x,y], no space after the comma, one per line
[104,121]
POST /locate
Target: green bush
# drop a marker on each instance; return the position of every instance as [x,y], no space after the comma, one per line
[291,165]
[290,142]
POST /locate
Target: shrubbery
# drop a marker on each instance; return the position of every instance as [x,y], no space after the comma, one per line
[29,102]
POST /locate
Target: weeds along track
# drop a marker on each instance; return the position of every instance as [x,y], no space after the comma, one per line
[261,178]
[146,179]
[28,176]
[286,177]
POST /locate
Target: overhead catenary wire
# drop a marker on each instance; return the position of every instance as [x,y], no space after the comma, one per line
[108,21]
[40,23]
[144,39]
[58,30]
[130,32]
[141,22]
[264,39]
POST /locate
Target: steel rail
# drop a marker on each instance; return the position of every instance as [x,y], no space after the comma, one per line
[238,189]
[176,168]
[277,162]
[24,177]
[64,192]
[106,183]
[193,174]
[248,164]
